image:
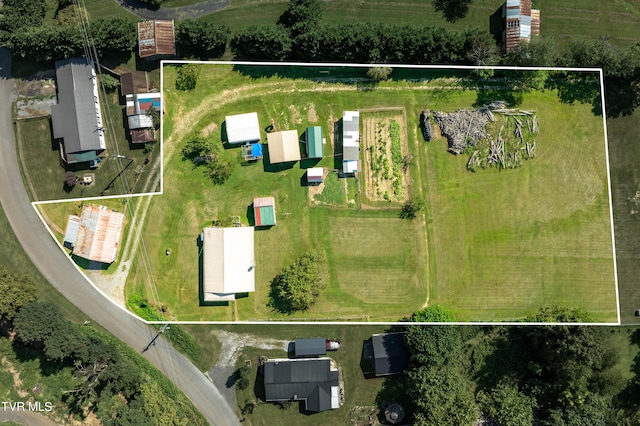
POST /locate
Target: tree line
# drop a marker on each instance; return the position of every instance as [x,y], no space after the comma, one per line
[557,375]
[108,379]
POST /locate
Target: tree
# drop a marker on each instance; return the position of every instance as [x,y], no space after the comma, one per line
[301,16]
[441,397]
[113,35]
[187,77]
[411,208]
[197,148]
[265,42]
[379,73]
[201,39]
[109,82]
[219,171]
[155,116]
[20,14]
[242,377]
[507,405]
[433,345]
[72,15]
[452,10]
[16,291]
[41,322]
[298,286]
[435,313]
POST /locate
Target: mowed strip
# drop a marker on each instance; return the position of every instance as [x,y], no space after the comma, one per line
[377,260]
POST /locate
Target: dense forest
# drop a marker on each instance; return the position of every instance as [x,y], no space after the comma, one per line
[557,375]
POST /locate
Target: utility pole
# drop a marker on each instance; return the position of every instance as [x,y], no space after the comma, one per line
[164,328]
[118,175]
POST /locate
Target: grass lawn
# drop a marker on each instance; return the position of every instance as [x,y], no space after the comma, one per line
[44,173]
[624,151]
[564,20]
[509,242]
[492,246]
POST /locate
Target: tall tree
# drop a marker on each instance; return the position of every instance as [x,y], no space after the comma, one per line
[298,286]
[301,16]
[433,345]
[16,291]
[265,42]
[201,39]
[441,396]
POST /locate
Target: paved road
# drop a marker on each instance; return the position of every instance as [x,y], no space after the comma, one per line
[184,12]
[26,418]
[56,268]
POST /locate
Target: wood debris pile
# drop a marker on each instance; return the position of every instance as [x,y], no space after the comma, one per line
[464,127]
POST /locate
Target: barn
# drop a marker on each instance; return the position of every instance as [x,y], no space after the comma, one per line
[228,263]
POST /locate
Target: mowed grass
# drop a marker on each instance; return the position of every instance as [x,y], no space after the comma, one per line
[624,150]
[505,243]
[564,20]
[501,244]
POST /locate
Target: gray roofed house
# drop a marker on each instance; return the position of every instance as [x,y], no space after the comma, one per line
[310,347]
[350,142]
[76,118]
[314,381]
[390,355]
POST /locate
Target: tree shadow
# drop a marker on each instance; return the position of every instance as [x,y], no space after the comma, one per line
[582,87]
[452,10]
[621,97]
[276,302]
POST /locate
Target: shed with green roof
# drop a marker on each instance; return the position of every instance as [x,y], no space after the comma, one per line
[313,140]
[264,211]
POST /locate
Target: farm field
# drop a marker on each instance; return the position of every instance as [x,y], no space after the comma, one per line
[491,245]
[563,20]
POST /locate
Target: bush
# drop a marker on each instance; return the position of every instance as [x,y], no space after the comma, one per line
[242,377]
[187,77]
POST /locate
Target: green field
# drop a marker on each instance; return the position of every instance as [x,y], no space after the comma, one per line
[564,20]
[491,246]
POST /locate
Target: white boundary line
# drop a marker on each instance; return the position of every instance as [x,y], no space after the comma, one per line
[385,323]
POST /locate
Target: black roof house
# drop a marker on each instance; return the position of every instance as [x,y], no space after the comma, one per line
[306,348]
[390,355]
[311,380]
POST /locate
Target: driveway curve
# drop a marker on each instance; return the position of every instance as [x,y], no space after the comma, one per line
[203,8]
[56,268]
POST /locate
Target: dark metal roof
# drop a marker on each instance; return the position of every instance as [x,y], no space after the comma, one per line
[310,347]
[76,118]
[134,83]
[390,354]
[156,38]
[305,379]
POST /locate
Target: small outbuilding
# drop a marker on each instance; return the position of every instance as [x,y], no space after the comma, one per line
[132,83]
[313,141]
[242,128]
[156,39]
[315,175]
[264,211]
[310,348]
[390,355]
[228,262]
[283,146]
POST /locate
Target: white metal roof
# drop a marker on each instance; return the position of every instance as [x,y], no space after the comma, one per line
[243,128]
[228,262]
